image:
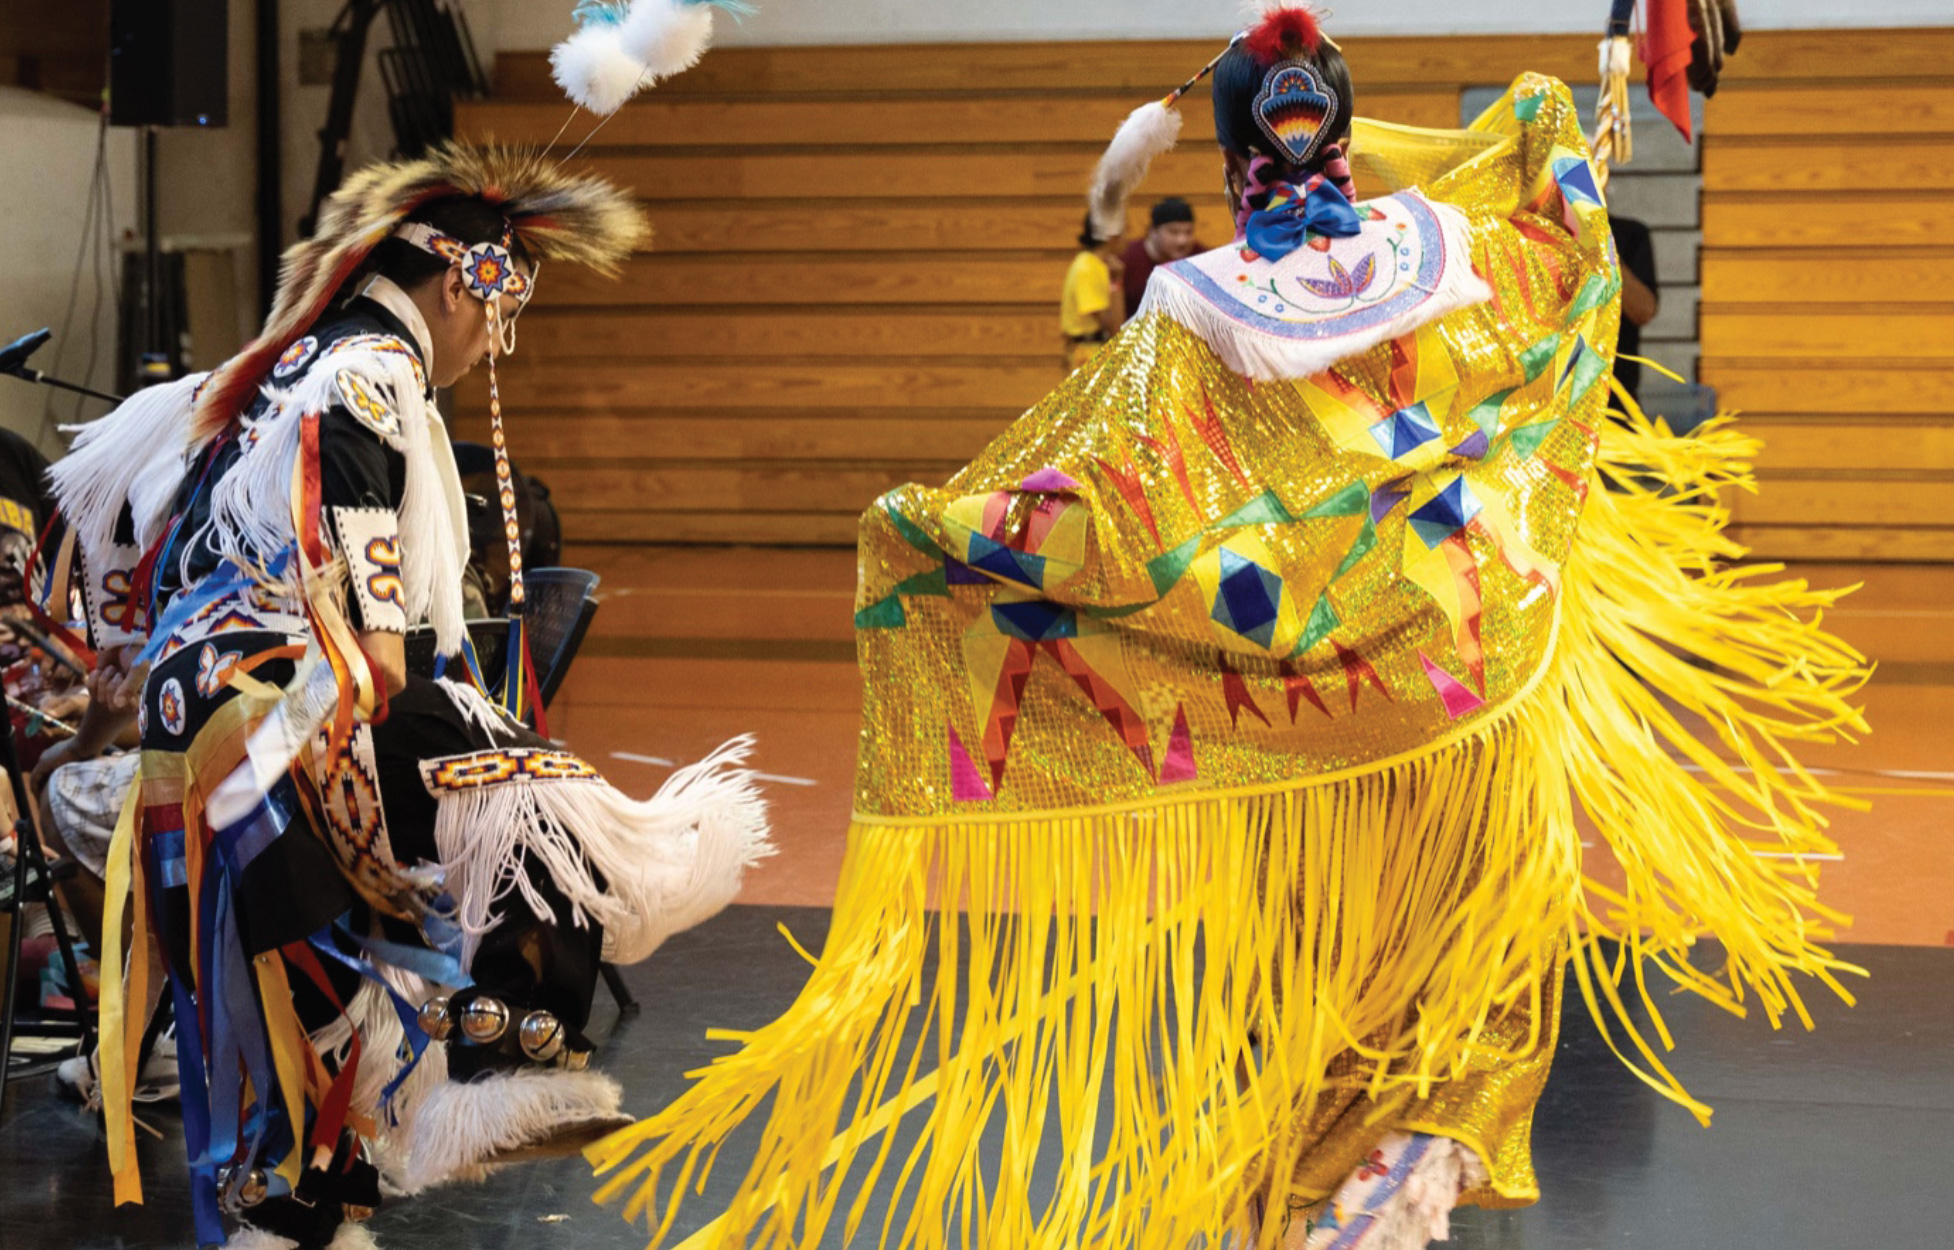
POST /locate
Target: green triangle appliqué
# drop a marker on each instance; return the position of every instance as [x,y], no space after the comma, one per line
[1168,567]
[1535,359]
[1486,415]
[1264,509]
[887,614]
[1322,619]
[1587,368]
[1366,539]
[1527,439]
[1350,501]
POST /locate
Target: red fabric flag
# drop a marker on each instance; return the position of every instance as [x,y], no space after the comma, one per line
[1666,38]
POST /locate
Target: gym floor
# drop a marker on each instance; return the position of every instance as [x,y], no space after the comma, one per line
[1838,1137]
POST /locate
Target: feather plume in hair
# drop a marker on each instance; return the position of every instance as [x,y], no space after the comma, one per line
[581,219]
[1285,31]
[1148,132]
[621,47]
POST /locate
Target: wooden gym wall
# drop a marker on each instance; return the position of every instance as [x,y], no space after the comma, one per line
[855,278]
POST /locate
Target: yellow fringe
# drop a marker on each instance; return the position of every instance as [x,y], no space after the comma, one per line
[1407,911]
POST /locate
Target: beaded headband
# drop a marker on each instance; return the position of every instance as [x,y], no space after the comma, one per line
[488,269]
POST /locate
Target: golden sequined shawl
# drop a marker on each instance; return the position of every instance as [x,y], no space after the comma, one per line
[1247,724]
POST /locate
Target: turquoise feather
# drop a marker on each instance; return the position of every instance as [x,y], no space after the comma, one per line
[612,12]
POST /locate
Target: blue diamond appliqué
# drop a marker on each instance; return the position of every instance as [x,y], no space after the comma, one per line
[1248,599]
[1035,620]
[1405,431]
[1448,512]
[1576,178]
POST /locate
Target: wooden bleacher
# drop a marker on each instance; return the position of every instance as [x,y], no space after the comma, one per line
[1828,296]
[859,251]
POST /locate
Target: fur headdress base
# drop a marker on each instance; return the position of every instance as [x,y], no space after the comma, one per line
[556,216]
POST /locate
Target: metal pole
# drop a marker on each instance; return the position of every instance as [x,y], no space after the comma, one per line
[350,58]
[271,155]
[152,338]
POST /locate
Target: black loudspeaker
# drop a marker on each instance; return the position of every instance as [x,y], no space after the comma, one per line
[169,62]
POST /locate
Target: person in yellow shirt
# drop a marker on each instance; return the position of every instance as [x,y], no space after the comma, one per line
[1093,303]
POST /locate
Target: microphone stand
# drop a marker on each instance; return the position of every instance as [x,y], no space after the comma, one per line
[15,355]
[26,374]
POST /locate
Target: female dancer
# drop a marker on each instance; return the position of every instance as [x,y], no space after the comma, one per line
[1242,696]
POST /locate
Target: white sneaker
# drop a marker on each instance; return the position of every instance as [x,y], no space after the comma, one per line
[79,1077]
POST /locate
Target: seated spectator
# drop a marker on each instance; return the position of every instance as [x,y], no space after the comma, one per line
[1169,237]
[1093,304]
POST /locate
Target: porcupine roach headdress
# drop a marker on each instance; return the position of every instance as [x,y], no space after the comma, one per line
[620,48]
[556,215]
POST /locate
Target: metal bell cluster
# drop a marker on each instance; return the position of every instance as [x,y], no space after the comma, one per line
[484,1022]
[243,1187]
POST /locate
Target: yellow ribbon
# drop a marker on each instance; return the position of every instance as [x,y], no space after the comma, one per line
[118,1055]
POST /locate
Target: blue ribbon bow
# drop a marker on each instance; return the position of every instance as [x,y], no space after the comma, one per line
[1273,233]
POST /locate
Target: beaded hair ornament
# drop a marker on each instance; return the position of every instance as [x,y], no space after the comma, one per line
[1294,111]
[488,270]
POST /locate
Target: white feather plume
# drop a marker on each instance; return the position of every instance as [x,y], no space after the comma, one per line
[595,71]
[623,46]
[667,37]
[1148,132]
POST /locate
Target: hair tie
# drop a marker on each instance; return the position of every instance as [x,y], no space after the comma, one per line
[1336,167]
[1263,175]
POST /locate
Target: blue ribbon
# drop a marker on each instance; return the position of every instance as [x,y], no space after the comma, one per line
[442,931]
[1273,233]
[430,965]
[228,581]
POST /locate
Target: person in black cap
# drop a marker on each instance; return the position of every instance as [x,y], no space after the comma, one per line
[1169,238]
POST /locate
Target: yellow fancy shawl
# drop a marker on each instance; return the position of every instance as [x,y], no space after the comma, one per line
[1247,722]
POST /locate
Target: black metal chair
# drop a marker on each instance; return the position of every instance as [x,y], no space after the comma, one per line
[32,880]
[560,605]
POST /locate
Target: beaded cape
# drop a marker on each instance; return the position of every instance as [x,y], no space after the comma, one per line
[1245,723]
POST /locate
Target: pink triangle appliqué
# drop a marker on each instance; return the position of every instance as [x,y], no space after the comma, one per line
[1459,698]
[1179,765]
[966,783]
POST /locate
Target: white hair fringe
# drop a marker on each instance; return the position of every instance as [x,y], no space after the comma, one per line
[463,1127]
[350,1236]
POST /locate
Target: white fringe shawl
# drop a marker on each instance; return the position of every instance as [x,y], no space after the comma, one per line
[668,862]
[138,454]
[1268,357]
[251,509]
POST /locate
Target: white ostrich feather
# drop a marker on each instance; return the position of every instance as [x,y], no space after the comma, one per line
[667,37]
[1148,132]
[595,71]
